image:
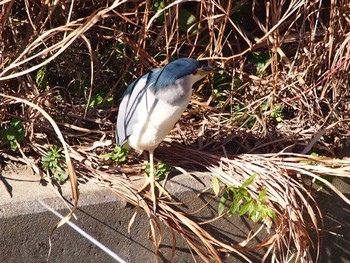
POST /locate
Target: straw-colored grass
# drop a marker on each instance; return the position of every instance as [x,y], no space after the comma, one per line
[283,93]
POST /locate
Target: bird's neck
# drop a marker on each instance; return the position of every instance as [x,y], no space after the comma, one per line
[177,93]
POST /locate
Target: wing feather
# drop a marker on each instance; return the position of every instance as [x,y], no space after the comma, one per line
[130,105]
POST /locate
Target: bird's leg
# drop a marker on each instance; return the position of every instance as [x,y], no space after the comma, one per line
[151,181]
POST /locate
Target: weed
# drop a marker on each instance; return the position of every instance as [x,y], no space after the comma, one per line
[242,202]
[119,154]
[276,112]
[98,100]
[259,60]
[41,77]
[54,162]
[327,177]
[14,133]
[161,169]
[243,118]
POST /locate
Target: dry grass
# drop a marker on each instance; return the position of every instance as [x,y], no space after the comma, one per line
[283,93]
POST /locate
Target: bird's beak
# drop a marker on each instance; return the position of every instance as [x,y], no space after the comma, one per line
[208,69]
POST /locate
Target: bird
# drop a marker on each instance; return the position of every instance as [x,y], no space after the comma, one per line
[151,106]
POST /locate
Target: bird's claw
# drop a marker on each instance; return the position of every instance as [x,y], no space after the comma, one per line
[153,185]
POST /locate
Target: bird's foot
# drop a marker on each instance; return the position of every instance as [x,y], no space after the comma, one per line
[153,185]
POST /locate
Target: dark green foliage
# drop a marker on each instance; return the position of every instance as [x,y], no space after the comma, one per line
[259,60]
[14,133]
[53,162]
[160,169]
[242,202]
[326,177]
[119,154]
[41,77]
[100,100]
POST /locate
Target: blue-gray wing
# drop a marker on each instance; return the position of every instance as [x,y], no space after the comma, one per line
[130,105]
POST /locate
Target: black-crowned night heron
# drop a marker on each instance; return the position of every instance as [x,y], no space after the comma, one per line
[151,106]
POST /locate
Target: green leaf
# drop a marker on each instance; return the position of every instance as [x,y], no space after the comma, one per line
[249,181]
[10,137]
[234,208]
[122,153]
[237,196]
[60,175]
[243,191]
[186,20]
[159,170]
[245,208]
[119,154]
[41,77]
[269,212]
[262,196]
[259,60]
[13,133]
[222,203]
[53,162]
[158,5]
[216,185]
[327,177]
[13,145]
[162,169]
[265,106]
[277,113]
[253,209]
[102,99]
[254,213]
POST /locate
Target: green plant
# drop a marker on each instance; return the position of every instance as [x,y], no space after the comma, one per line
[276,112]
[41,77]
[259,60]
[99,100]
[159,170]
[186,18]
[14,133]
[119,154]
[327,177]
[54,163]
[243,117]
[221,88]
[242,202]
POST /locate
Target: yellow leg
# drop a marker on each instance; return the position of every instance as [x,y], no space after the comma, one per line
[151,181]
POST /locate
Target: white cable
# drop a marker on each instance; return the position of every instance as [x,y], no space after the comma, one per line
[84,234]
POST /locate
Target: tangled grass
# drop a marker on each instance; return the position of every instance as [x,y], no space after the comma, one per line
[283,94]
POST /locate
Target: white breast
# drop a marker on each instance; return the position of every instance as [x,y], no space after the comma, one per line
[157,116]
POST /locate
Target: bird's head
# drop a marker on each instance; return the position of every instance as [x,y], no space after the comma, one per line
[188,68]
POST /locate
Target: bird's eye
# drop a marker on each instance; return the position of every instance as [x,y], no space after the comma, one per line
[195,72]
